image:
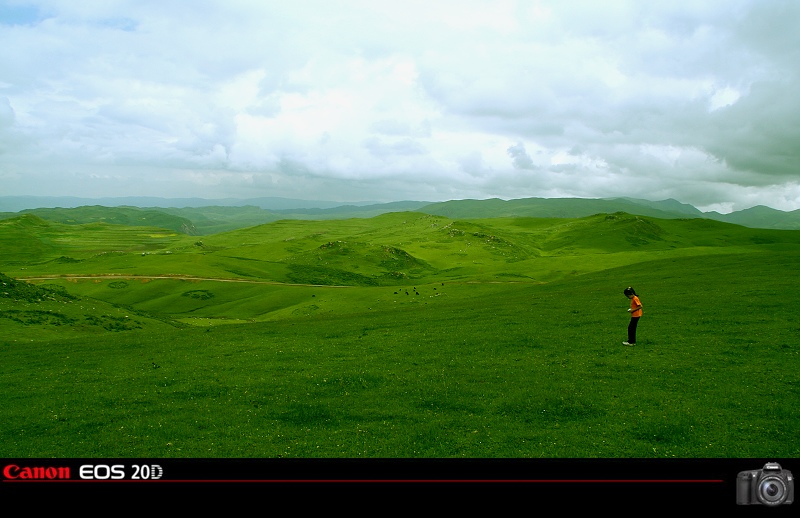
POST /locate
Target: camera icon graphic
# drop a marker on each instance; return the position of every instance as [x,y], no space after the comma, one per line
[770,486]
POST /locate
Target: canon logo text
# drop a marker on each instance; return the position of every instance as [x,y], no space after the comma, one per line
[12,472]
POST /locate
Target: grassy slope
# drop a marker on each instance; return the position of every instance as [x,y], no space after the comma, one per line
[131,216]
[31,313]
[465,368]
[216,219]
[30,240]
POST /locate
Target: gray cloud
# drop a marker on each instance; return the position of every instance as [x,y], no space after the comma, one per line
[520,157]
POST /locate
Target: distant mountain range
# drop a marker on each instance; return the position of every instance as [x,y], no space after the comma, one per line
[18,203]
[200,216]
[754,217]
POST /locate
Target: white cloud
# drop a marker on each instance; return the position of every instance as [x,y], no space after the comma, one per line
[723,97]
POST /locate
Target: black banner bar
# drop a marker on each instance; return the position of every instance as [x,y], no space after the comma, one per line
[708,483]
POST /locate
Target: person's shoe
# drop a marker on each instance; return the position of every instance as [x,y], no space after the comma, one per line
[629,344]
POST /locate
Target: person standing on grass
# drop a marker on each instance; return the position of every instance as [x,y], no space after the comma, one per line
[636,313]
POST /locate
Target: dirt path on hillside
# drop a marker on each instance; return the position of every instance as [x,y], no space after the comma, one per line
[168,277]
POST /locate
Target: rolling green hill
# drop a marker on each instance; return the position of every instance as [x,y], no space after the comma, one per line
[130,216]
[30,240]
[28,312]
[402,335]
[215,219]
[189,220]
[401,250]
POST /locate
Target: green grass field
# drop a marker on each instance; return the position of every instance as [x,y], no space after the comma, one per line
[403,335]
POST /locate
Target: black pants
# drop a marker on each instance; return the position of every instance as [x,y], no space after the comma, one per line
[632,330]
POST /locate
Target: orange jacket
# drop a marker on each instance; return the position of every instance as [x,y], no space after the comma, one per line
[636,307]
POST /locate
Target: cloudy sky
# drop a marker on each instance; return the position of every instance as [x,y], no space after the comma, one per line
[375,100]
